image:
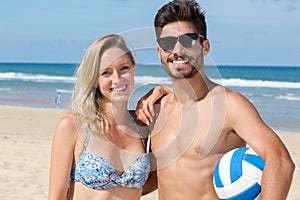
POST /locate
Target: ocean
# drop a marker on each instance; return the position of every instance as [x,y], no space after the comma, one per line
[274,91]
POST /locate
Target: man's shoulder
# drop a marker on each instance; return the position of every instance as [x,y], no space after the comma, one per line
[227,96]
[233,96]
[220,90]
[168,100]
[236,101]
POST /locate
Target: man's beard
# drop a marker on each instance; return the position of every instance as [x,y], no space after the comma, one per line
[180,75]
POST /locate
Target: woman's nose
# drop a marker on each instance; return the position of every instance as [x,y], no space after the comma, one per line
[116,77]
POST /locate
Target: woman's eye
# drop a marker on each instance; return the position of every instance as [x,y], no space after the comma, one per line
[105,73]
[124,67]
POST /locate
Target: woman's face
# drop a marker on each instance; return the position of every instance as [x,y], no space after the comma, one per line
[116,78]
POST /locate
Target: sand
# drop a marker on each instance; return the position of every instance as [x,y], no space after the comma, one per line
[25,141]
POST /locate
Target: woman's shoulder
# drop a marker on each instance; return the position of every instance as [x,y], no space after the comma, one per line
[66,122]
[67,126]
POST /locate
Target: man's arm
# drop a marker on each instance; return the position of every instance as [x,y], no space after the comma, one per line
[145,107]
[279,169]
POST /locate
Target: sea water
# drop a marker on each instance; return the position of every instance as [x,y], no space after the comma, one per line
[274,91]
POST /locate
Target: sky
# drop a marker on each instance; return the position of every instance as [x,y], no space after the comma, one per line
[241,32]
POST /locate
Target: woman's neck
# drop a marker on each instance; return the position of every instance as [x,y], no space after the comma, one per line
[117,114]
[120,125]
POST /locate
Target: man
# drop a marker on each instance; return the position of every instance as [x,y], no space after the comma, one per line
[202,120]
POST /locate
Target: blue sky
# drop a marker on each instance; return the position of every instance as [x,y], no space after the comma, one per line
[241,32]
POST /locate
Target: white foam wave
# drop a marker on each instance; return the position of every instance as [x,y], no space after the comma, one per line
[258,83]
[151,80]
[226,82]
[64,91]
[35,77]
[287,97]
[5,89]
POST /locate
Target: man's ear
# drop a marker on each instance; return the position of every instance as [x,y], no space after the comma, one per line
[206,47]
[159,51]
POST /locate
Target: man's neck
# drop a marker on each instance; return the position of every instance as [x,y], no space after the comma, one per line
[191,89]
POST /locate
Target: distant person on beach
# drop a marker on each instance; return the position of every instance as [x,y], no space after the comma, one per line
[202,120]
[99,150]
[58,100]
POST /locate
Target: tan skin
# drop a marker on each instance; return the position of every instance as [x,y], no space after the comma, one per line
[67,145]
[200,122]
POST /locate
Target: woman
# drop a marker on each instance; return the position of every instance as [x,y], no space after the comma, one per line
[99,150]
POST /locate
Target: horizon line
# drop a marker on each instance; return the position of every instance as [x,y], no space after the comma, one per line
[78,63]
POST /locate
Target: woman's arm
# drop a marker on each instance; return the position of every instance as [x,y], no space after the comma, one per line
[63,144]
[151,184]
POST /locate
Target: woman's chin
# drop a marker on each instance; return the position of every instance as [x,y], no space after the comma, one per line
[120,98]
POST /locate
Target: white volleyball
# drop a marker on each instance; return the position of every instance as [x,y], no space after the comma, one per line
[238,174]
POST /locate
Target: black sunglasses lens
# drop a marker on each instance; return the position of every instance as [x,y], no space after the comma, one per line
[167,43]
[194,36]
[188,40]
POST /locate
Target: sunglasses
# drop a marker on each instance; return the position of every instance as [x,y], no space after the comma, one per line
[187,40]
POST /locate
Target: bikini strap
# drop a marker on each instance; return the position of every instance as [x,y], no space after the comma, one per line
[87,141]
[141,136]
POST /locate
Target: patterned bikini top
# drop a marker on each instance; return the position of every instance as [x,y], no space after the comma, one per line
[97,173]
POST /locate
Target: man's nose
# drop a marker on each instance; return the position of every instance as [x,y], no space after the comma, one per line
[178,48]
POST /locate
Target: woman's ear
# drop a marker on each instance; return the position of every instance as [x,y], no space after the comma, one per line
[134,67]
[206,47]
[96,85]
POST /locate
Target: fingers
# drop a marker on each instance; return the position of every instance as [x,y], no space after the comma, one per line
[147,112]
[142,111]
[150,104]
[145,107]
[142,117]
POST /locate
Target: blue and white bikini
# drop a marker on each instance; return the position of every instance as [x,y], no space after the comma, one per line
[97,173]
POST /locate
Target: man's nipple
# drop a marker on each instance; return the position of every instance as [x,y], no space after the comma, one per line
[200,152]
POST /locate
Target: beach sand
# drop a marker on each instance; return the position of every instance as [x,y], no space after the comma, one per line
[26,135]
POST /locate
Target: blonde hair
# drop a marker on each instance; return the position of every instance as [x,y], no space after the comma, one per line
[86,101]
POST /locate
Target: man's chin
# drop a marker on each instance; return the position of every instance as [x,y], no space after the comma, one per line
[177,76]
[182,75]
[179,71]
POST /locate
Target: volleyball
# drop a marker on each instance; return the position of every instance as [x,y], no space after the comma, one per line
[238,175]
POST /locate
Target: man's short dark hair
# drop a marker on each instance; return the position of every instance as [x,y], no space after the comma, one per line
[180,10]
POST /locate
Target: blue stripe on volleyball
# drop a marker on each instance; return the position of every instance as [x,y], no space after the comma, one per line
[255,160]
[248,194]
[217,178]
[236,164]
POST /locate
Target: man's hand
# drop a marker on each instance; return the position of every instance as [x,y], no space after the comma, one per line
[145,107]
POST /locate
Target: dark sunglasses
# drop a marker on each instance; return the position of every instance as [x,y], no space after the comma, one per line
[187,40]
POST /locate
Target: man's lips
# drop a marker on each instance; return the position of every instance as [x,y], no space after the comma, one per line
[180,61]
[183,59]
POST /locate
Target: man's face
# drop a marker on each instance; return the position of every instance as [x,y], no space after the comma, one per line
[181,62]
